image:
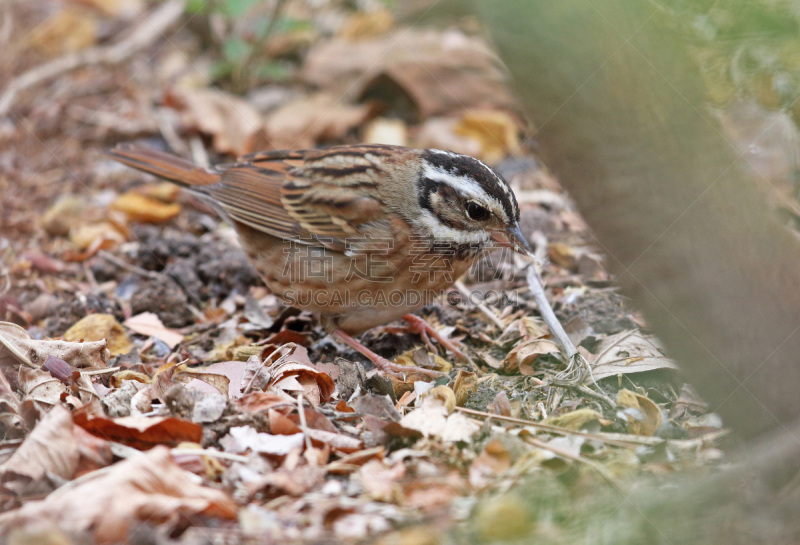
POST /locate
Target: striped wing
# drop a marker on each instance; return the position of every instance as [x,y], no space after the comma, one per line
[310,197]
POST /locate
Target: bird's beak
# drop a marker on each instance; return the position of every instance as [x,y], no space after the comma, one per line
[513,238]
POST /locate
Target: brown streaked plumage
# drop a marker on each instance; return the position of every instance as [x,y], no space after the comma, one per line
[379,219]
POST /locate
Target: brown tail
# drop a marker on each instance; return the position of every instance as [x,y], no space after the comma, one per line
[164,165]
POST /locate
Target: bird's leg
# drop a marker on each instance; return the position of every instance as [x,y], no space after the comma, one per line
[423,329]
[382,363]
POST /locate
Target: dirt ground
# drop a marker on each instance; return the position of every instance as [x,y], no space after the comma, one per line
[153,391]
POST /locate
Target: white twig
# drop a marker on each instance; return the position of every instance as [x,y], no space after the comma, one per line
[577,366]
[466,292]
[140,37]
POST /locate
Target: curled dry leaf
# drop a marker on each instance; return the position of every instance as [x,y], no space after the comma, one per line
[17,348]
[524,356]
[138,207]
[464,385]
[294,372]
[96,327]
[629,352]
[643,416]
[138,431]
[437,72]
[108,503]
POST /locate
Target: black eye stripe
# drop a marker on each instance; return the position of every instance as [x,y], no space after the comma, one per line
[491,182]
[426,186]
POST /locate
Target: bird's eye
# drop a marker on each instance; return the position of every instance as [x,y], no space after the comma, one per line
[476,212]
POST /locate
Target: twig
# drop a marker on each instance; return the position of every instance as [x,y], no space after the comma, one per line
[577,366]
[602,471]
[96,372]
[210,454]
[121,263]
[466,292]
[303,424]
[140,37]
[199,155]
[618,442]
[293,346]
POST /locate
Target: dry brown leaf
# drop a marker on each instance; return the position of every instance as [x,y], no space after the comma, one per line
[109,503]
[113,8]
[138,207]
[148,323]
[49,451]
[140,432]
[243,438]
[445,395]
[232,122]
[90,235]
[18,349]
[496,132]
[493,460]
[41,387]
[381,481]
[432,420]
[295,372]
[393,132]
[574,420]
[96,327]
[464,385]
[367,24]
[166,192]
[643,416]
[433,495]
[629,352]
[257,402]
[67,31]
[67,212]
[315,119]
[524,356]
[437,72]
[440,133]
[562,255]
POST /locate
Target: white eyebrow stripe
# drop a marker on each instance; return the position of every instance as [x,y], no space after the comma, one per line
[460,183]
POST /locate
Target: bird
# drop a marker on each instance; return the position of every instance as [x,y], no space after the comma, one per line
[361,235]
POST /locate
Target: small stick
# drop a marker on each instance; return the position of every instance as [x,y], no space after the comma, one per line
[210,454]
[577,366]
[619,442]
[303,425]
[466,292]
[122,264]
[100,371]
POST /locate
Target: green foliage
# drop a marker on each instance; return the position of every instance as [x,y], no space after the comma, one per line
[240,47]
[744,47]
